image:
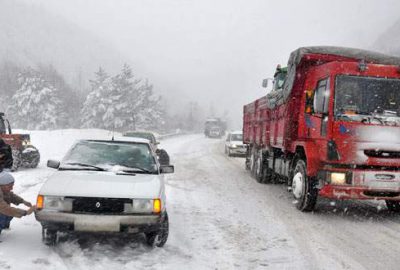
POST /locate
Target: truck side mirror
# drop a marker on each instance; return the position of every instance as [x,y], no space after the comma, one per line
[265,83]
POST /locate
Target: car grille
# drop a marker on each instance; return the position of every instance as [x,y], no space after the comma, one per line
[99,205]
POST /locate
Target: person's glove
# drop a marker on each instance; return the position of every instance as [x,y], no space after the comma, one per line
[31,210]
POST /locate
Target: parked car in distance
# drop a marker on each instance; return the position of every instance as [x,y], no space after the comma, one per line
[234,144]
[106,186]
[162,155]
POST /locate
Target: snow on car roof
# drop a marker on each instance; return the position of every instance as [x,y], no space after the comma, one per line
[124,139]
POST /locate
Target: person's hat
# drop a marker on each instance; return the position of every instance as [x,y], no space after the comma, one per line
[6,178]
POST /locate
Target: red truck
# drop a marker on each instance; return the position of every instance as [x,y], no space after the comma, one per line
[330,127]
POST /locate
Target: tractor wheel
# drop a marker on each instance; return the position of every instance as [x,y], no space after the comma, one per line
[17,159]
[30,159]
[303,188]
[163,157]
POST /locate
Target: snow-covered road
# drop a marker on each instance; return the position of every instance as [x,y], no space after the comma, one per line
[220,218]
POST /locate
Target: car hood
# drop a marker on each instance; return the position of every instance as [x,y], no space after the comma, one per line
[236,142]
[103,184]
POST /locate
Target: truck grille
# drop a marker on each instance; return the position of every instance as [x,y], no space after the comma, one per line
[382,154]
[99,205]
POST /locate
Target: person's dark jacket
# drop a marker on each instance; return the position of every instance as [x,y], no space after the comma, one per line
[6,159]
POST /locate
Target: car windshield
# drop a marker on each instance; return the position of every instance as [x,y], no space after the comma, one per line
[236,137]
[107,155]
[366,99]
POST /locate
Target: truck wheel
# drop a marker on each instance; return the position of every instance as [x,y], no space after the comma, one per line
[303,188]
[258,175]
[393,206]
[159,238]
[49,237]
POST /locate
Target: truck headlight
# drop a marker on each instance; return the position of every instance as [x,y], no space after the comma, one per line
[143,206]
[337,178]
[56,203]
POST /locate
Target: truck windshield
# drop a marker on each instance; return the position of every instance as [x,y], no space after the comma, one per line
[367,100]
[279,78]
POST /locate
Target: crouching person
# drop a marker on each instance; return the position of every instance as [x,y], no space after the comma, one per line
[7,197]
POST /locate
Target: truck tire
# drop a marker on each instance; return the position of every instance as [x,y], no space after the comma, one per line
[268,174]
[303,188]
[159,238]
[258,170]
[393,206]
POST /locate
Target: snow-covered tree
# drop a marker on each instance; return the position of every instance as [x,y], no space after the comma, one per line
[97,102]
[122,103]
[36,104]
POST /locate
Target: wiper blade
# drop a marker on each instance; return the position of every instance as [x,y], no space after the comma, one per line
[135,169]
[86,165]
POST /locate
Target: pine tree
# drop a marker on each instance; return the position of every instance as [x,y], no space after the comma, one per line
[36,104]
[96,102]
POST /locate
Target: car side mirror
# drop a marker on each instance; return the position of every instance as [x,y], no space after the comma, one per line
[167,169]
[55,164]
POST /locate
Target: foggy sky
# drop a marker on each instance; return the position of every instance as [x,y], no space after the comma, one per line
[217,52]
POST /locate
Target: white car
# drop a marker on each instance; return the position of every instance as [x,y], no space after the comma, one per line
[106,186]
[234,144]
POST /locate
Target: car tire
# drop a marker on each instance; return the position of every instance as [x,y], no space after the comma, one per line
[160,237]
[303,188]
[393,206]
[49,237]
[229,152]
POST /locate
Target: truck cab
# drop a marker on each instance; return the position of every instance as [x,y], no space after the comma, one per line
[332,129]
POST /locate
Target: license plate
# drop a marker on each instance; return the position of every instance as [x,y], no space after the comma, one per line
[386,185]
[96,224]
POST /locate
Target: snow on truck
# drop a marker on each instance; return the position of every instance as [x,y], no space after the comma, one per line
[23,152]
[330,127]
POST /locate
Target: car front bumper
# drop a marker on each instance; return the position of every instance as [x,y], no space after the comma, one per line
[237,151]
[97,223]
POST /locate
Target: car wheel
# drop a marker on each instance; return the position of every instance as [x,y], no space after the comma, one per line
[159,238]
[393,206]
[229,152]
[49,237]
[303,188]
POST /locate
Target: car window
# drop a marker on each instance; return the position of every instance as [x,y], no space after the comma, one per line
[236,137]
[106,154]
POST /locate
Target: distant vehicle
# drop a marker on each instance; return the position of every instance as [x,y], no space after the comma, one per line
[214,128]
[112,186]
[24,153]
[161,153]
[330,127]
[234,144]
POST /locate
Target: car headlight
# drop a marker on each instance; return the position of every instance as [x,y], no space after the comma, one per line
[143,206]
[54,203]
[233,145]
